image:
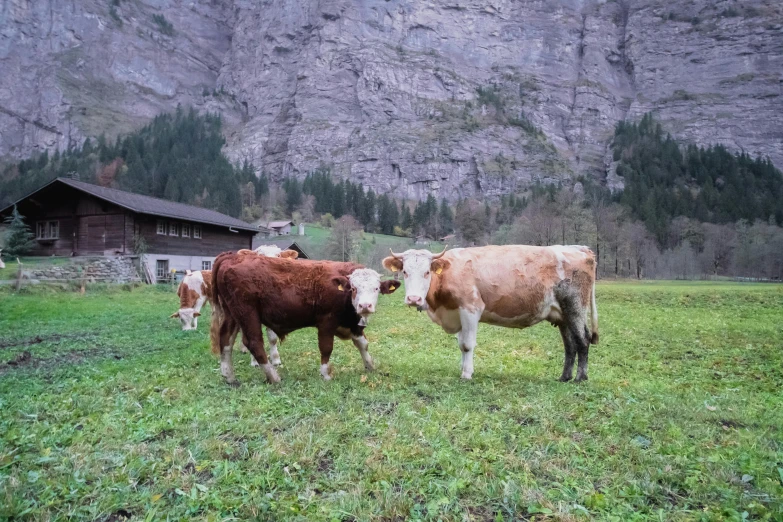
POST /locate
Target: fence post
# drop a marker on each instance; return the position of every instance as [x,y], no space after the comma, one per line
[18,275]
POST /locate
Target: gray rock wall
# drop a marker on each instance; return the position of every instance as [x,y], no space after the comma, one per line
[91,269]
[386,92]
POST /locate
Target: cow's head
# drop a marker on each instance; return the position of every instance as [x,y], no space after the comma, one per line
[365,284]
[417,267]
[187,316]
[274,251]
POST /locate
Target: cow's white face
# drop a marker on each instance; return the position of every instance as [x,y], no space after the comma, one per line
[416,267]
[187,317]
[365,285]
[274,251]
[268,250]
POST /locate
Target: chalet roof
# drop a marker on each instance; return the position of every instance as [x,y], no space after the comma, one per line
[152,206]
[278,224]
[269,225]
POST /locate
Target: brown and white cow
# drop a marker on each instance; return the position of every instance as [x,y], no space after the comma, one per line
[283,295]
[515,286]
[196,289]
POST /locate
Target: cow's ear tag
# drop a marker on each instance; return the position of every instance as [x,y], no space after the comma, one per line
[393,268]
[439,270]
[340,288]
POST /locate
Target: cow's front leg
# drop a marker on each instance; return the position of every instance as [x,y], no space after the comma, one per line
[253,337]
[467,339]
[361,342]
[325,345]
[274,341]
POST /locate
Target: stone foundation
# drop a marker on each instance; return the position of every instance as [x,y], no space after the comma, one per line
[91,269]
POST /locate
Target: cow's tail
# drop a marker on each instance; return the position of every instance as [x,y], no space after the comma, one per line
[593,316]
[218,306]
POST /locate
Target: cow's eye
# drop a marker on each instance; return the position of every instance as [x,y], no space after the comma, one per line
[378,289]
[427,274]
[405,274]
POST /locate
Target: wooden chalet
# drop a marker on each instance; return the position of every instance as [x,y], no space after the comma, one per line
[73,218]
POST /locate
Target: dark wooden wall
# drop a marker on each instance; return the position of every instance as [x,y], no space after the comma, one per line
[88,225]
[214,240]
[91,226]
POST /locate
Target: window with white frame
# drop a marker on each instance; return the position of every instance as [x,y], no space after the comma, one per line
[161,227]
[173,229]
[185,230]
[196,231]
[47,230]
[206,265]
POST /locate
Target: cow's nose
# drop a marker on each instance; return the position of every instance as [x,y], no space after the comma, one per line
[366,307]
[412,300]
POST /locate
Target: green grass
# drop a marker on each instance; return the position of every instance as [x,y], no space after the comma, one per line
[316,237]
[29,263]
[115,411]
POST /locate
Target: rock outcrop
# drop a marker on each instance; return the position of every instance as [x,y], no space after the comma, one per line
[453,97]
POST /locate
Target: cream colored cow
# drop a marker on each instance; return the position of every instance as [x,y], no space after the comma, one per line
[515,286]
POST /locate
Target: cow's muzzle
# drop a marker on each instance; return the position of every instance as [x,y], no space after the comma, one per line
[414,300]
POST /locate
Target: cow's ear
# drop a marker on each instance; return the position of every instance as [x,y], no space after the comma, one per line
[196,314]
[388,287]
[439,265]
[175,314]
[289,254]
[392,264]
[341,283]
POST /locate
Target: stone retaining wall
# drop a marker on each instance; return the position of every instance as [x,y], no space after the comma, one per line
[91,269]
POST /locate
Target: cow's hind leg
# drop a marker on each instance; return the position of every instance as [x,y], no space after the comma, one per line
[253,338]
[570,353]
[467,339]
[228,334]
[573,329]
[274,341]
[361,343]
[582,350]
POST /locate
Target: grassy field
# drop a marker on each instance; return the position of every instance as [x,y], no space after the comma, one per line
[316,237]
[108,410]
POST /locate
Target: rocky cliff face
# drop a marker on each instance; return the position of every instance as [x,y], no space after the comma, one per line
[454,97]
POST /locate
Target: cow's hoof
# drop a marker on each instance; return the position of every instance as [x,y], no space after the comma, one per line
[234,384]
[326,372]
[467,376]
[581,378]
[370,367]
[254,363]
[276,361]
[565,378]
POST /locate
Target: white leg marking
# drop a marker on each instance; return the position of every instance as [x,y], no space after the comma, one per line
[274,355]
[326,372]
[467,339]
[271,373]
[361,343]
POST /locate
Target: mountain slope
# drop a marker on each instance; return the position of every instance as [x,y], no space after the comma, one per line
[458,98]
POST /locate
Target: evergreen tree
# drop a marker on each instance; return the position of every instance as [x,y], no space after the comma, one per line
[19,239]
[406,221]
[445,218]
[293,194]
